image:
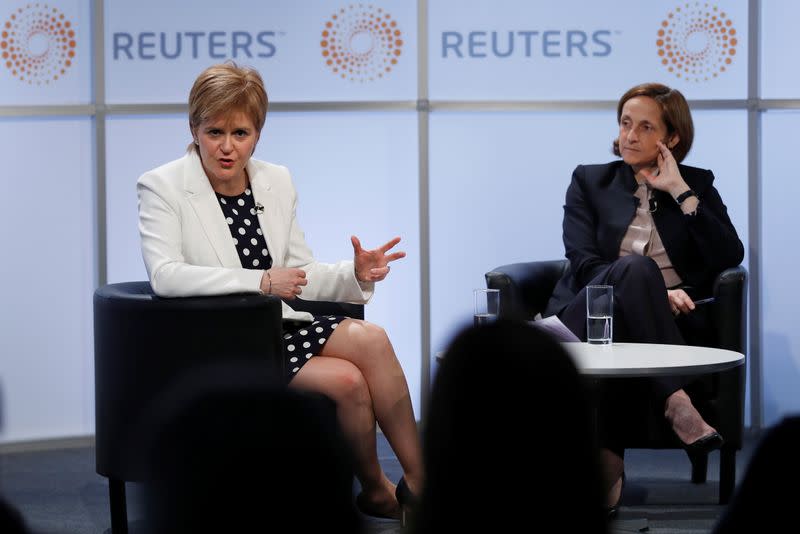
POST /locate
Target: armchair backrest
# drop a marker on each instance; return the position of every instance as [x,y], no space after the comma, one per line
[144,343]
[526,287]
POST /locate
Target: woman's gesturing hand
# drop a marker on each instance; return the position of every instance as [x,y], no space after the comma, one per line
[668,178]
[679,301]
[373,265]
[283,282]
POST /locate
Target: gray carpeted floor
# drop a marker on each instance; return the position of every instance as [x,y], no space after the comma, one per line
[58,491]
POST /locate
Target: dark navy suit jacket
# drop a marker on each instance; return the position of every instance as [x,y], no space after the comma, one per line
[600,205]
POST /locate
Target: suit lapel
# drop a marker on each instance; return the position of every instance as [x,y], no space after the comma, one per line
[622,206]
[272,219]
[206,206]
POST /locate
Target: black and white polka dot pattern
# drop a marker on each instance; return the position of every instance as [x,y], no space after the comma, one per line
[240,214]
[302,341]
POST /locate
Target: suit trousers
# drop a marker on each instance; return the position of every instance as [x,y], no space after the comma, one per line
[642,314]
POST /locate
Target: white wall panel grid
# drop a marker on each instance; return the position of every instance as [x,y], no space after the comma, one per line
[496,179]
[45,52]
[574,50]
[46,344]
[306,50]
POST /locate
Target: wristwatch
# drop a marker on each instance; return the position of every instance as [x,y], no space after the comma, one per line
[683,196]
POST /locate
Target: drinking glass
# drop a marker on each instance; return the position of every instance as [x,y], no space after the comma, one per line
[599,314]
[487,306]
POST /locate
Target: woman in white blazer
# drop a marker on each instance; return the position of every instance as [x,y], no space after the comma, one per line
[217,221]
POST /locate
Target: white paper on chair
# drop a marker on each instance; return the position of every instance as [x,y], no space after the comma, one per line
[553,326]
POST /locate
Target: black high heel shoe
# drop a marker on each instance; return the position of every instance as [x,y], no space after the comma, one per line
[365,509]
[613,511]
[698,454]
[704,445]
[408,501]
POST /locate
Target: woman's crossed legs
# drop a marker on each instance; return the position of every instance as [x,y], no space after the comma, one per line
[358,369]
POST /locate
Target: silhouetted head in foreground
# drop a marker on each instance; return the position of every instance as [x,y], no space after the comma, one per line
[764,500]
[507,441]
[232,453]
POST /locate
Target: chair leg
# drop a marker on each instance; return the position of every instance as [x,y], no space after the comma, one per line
[727,474]
[119,507]
[699,468]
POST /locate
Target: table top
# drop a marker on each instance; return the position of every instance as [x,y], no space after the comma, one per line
[649,359]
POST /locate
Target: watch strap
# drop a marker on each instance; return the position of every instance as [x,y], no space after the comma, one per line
[683,196]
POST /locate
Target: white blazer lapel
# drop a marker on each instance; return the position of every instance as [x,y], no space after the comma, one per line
[206,206]
[272,218]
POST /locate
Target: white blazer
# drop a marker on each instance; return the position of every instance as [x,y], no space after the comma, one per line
[189,251]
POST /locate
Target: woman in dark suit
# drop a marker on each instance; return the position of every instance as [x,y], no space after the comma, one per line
[658,232]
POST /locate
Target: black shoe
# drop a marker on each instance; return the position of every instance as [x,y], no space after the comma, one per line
[364,509]
[698,450]
[706,444]
[613,511]
[408,501]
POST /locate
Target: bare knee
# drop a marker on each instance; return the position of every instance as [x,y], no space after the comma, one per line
[372,338]
[349,387]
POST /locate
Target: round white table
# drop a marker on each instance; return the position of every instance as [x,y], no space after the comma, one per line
[646,359]
[649,359]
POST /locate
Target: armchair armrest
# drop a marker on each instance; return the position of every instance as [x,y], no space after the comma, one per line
[322,307]
[729,316]
[525,287]
[729,311]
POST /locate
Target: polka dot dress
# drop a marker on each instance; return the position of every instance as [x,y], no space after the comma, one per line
[301,340]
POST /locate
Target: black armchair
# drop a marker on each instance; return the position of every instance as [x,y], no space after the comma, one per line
[144,344]
[525,289]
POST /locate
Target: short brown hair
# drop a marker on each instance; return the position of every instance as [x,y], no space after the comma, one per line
[227,87]
[674,112]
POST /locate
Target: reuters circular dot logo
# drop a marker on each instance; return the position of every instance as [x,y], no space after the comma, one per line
[697,42]
[37,44]
[361,43]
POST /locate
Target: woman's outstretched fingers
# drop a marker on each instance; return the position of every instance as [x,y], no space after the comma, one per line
[373,265]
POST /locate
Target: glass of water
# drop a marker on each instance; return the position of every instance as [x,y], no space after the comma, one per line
[487,306]
[599,314]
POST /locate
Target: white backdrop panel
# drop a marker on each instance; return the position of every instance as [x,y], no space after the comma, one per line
[780,338]
[779,46]
[355,173]
[46,348]
[720,144]
[45,53]
[155,49]
[497,185]
[574,49]
[134,144]
[504,202]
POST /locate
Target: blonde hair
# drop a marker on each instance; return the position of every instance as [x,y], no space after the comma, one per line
[224,88]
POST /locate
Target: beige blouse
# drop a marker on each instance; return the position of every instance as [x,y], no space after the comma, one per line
[642,238]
